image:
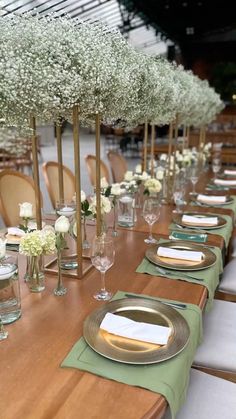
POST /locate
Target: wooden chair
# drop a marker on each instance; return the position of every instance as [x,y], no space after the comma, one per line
[50,174]
[118,166]
[15,188]
[91,166]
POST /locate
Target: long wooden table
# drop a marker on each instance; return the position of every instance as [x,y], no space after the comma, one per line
[32,384]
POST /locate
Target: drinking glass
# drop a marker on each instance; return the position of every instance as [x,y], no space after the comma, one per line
[178,198]
[194,179]
[103,255]
[151,213]
[216,166]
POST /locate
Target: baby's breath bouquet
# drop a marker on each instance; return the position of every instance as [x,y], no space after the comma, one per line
[34,245]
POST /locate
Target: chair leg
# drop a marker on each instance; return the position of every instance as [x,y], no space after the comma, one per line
[220,295]
[226,375]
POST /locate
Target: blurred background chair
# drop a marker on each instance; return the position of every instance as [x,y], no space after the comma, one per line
[207,397]
[118,166]
[15,188]
[50,174]
[90,161]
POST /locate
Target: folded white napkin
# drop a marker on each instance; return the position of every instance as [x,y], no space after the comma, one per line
[224,182]
[127,328]
[200,220]
[211,198]
[15,231]
[180,254]
[229,172]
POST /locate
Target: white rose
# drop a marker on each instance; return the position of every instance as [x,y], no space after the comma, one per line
[128,176]
[104,183]
[163,157]
[116,189]
[62,224]
[138,169]
[26,210]
[83,196]
[145,176]
[179,158]
[105,205]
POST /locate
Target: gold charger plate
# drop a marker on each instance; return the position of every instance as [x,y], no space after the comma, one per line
[177,218]
[228,200]
[209,258]
[132,351]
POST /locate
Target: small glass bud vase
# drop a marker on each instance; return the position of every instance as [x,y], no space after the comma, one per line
[34,276]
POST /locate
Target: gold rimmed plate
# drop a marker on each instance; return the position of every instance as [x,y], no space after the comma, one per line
[208,259]
[132,351]
[228,200]
[177,218]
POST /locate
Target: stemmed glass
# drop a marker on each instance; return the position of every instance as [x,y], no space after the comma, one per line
[103,255]
[194,178]
[151,213]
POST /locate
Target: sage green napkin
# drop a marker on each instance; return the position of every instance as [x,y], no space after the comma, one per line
[208,277]
[231,205]
[213,187]
[225,231]
[169,378]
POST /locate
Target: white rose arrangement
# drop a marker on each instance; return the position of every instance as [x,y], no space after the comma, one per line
[38,242]
[26,213]
[152,186]
[105,205]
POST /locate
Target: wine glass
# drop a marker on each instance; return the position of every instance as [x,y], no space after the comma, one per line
[103,255]
[194,179]
[151,213]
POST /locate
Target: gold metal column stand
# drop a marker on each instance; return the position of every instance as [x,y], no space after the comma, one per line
[145,146]
[152,149]
[36,173]
[98,176]
[60,162]
[77,189]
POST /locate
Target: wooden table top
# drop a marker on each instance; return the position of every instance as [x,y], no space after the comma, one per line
[32,383]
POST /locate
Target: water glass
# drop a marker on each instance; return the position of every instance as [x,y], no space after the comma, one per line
[10,303]
[216,166]
[126,211]
[194,178]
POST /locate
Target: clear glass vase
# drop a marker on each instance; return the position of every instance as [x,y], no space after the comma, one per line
[34,276]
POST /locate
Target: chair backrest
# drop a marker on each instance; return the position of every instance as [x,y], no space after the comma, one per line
[50,174]
[118,166]
[91,166]
[15,188]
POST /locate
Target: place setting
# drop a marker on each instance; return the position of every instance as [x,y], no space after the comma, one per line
[141,341]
